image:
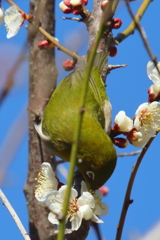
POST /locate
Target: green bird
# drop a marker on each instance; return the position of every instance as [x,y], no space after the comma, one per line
[96,157]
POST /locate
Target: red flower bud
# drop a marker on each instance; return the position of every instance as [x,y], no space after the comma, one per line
[112,51]
[23,15]
[153,93]
[65,7]
[43,44]
[69,65]
[120,142]
[104,190]
[46,43]
[67,3]
[116,23]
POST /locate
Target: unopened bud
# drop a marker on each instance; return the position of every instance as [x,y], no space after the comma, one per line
[153,93]
[104,190]
[69,65]
[43,44]
[64,8]
[116,23]
[103,5]
[46,43]
[23,15]
[112,51]
[120,142]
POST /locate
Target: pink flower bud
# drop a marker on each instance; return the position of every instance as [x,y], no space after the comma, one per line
[64,8]
[104,190]
[43,44]
[116,23]
[69,65]
[120,142]
[104,4]
[67,3]
[153,93]
[23,15]
[112,51]
[46,43]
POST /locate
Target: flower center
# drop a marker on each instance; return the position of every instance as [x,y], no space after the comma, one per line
[150,118]
[72,209]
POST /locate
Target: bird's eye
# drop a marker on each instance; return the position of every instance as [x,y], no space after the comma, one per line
[90,174]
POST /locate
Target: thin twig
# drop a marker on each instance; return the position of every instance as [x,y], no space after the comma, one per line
[14,215]
[127,200]
[59,46]
[143,36]
[112,67]
[129,154]
[73,18]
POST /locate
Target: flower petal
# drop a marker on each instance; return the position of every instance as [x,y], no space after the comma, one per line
[96,219]
[63,189]
[54,202]
[86,198]
[153,73]
[101,209]
[52,218]
[46,182]
[86,211]
[76,223]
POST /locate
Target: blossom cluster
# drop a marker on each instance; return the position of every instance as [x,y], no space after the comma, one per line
[51,193]
[146,122]
[73,6]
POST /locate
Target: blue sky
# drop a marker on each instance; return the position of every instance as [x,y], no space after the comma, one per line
[127,89]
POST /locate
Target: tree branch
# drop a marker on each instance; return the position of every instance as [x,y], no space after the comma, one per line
[130,29]
[129,154]
[127,200]
[47,35]
[14,216]
[143,36]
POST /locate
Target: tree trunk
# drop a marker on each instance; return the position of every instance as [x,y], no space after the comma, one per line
[43,75]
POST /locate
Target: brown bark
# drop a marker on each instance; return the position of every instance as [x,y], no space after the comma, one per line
[43,76]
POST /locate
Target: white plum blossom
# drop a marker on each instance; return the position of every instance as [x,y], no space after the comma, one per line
[147,118]
[1,15]
[47,182]
[78,209]
[138,138]
[100,208]
[153,73]
[13,21]
[122,122]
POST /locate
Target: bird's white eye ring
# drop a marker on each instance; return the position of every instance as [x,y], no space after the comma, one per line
[90,174]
